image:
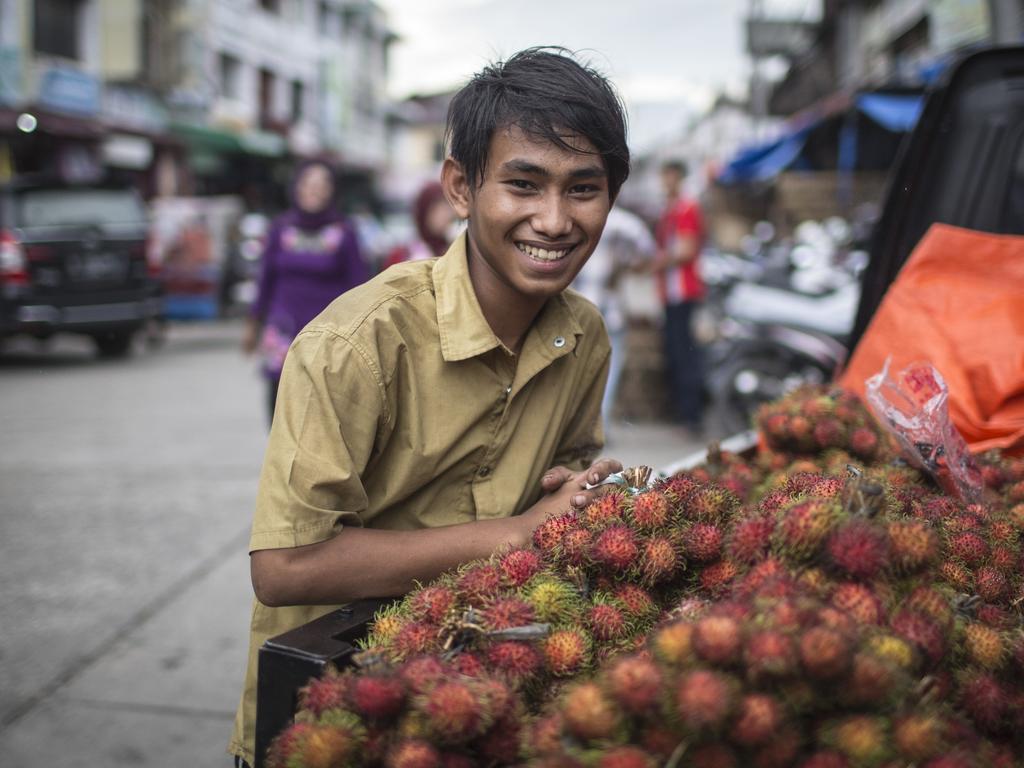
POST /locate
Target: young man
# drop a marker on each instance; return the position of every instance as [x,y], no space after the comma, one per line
[680,236]
[441,411]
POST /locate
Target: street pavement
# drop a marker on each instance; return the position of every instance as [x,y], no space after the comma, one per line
[127,491]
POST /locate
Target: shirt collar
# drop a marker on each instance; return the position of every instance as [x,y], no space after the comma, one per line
[461,324]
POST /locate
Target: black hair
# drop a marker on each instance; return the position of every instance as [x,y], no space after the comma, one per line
[549,95]
[679,166]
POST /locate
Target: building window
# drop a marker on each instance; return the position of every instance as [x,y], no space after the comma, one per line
[230,73]
[298,94]
[323,17]
[55,25]
[271,6]
[266,98]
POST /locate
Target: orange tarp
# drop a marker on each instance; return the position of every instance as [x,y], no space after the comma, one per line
[958,303]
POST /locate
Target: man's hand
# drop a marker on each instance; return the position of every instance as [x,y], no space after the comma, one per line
[557,478]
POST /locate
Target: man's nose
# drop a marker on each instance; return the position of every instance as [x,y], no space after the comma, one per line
[552,218]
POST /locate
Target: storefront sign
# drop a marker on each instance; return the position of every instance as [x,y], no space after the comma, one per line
[129,107]
[123,151]
[70,91]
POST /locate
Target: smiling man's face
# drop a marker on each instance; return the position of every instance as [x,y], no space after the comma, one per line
[535,218]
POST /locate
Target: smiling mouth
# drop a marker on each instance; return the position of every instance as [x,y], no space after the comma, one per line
[544,254]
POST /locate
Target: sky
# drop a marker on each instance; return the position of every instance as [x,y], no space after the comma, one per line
[668,58]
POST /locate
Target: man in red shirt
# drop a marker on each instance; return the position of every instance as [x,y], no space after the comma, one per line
[680,236]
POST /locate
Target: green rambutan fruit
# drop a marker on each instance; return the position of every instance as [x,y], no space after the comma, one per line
[705,700]
[507,612]
[985,646]
[386,623]
[718,639]
[377,696]
[615,548]
[769,654]
[750,538]
[431,603]
[859,548]
[590,714]
[803,527]
[553,600]
[413,753]
[520,565]
[518,661]
[758,718]
[824,653]
[626,757]
[650,511]
[672,643]
[566,651]
[913,544]
[702,542]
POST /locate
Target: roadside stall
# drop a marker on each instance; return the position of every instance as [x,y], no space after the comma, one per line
[838,587]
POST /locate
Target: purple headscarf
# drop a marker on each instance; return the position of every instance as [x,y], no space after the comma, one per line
[303,219]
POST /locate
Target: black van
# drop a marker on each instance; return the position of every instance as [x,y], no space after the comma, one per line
[73,258]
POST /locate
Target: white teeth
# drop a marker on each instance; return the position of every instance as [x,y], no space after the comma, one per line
[542,253]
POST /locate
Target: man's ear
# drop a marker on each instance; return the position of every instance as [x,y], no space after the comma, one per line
[457,187]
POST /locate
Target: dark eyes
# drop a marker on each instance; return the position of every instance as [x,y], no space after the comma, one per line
[579,190]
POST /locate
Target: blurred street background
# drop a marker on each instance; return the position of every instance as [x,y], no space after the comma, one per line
[147,151]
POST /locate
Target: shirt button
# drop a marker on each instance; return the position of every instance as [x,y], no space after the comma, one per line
[559,341]
[508,390]
[484,471]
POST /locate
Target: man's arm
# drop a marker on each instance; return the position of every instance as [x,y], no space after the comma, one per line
[364,562]
[684,243]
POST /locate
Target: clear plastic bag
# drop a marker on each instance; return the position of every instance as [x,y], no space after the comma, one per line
[913,407]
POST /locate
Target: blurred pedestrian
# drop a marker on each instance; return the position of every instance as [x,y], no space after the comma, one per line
[626,243]
[680,236]
[435,221]
[312,256]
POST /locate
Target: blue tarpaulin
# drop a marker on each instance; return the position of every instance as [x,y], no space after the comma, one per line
[896,113]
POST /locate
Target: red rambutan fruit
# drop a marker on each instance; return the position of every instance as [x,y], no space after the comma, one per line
[921,631]
[659,560]
[377,697]
[864,442]
[758,717]
[919,737]
[589,714]
[984,646]
[968,547]
[711,503]
[914,544]
[635,683]
[431,603]
[517,660]
[574,548]
[769,654]
[713,754]
[991,584]
[520,565]
[933,603]
[615,548]
[858,601]
[651,511]
[985,701]
[702,542]
[324,693]
[413,638]
[478,584]
[804,526]
[626,757]
[824,653]
[566,651]
[957,575]
[548,535]
[859,548]
[413,753]
[719,577]
[452,712]
[604,511]
[422,673]
[507,612]
[705,699]
[829,433]
[607,622]
[718,639]
[750,538]
[636,601]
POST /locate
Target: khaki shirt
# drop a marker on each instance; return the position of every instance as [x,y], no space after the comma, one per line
[400,409]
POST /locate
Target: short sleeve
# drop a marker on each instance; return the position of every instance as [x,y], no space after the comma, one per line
[688,221]
[330,410]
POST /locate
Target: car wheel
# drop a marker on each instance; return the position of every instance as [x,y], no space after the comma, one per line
[114,344]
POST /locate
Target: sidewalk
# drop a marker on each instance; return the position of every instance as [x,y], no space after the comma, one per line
[165,693]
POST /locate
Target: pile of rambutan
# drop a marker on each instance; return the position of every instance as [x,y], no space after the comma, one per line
[816,604]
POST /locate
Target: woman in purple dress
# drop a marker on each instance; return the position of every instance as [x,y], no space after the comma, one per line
[311,257]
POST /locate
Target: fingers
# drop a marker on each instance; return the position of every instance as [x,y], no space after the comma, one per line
[601,468]
[555,478]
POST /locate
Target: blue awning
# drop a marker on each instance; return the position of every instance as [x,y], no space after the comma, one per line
[763,161]
[897,113]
